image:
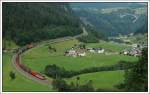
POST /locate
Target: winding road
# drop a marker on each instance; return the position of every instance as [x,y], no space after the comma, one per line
[133,15]
[46,81]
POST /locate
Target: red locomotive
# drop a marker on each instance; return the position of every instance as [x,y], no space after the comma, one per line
[38,75]
[26,69]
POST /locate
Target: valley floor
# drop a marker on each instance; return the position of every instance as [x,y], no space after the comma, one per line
[37,58]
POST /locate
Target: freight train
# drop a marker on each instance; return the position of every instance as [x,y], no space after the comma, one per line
[25,68]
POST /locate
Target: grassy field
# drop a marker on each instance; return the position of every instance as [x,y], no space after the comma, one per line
[108,45]
[20,83]
[39,57]
[103,80]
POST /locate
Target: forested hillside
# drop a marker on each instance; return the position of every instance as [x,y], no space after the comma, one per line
[30,22]
[143,29]
[93,35]
[114,21]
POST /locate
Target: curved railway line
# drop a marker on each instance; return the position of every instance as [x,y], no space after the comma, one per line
[29,73]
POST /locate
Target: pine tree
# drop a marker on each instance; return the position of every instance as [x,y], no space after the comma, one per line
[136,79]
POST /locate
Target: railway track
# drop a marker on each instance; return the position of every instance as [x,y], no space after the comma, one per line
[28,73]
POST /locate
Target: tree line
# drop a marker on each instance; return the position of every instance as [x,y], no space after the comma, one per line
[59,72]
[61,85]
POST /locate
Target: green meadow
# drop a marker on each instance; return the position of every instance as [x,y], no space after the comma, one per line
[109,46]
[37,58]
[20,83]
[106,80]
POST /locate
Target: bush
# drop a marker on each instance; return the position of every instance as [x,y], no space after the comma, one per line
[62,86]
[12,75]
[120,86]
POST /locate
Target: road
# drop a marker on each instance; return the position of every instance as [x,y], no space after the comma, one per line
[133,15]
[47,81]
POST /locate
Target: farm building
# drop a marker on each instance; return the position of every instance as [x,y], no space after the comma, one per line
[135,52]
[132,52]
[75,53]
[81,52]
[96,50]
[71,53]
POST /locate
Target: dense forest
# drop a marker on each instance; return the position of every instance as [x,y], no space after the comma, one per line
[24,23]
[30,22]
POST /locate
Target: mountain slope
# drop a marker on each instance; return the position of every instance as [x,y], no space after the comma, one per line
[143,29]
[30,22]
[113,21]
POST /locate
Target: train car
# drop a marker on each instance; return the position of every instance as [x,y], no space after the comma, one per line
[30,46]
[17,60]
[26,69]
[38,75]
[23,67]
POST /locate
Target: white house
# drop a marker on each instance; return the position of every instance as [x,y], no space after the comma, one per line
[82,54]
[125,52]
[96,50]
[75,53]
[100,51]
[71,53]
[91,50]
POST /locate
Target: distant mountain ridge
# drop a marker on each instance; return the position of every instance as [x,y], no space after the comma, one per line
[114,21]
[102,5]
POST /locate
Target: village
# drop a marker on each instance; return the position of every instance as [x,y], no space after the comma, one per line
[81,50]
[136,50]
